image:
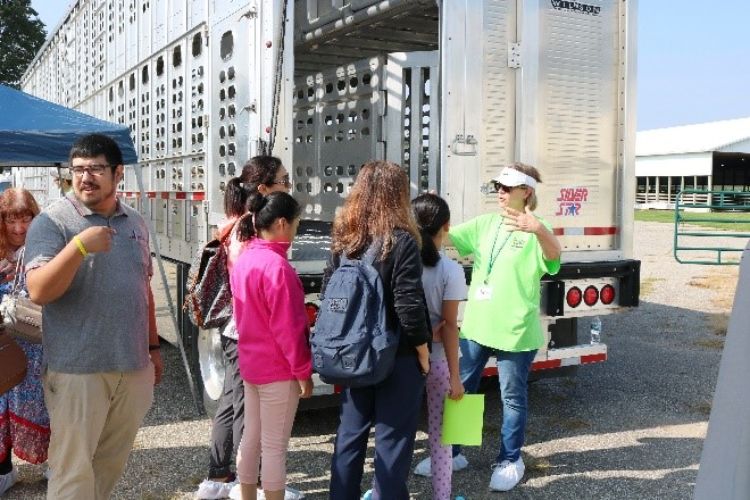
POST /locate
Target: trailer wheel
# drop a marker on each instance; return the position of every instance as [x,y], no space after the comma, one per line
[211,368]
[203,350]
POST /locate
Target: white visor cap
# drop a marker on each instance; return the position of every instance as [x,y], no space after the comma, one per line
[511,177]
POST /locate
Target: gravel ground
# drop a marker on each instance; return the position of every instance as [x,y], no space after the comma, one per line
[632,427]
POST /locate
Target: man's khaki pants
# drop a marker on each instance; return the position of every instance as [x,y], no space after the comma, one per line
[94,419]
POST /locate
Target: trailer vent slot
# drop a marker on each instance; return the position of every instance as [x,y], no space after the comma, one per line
[197,44]
[226,46]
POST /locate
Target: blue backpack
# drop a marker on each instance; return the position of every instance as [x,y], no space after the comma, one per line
[351,343]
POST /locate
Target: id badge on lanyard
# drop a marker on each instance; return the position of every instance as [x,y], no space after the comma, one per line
[483,292]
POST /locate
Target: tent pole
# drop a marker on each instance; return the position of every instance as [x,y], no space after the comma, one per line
[160,263]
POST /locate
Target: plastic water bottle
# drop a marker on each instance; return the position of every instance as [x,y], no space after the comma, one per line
[596,330]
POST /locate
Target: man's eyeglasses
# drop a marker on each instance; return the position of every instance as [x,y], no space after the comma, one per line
[89,169]
[284,181]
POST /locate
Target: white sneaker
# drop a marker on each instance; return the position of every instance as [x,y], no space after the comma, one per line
[424,468]
[507,475]
[214,490]
[292,494]
[8,480]
[289,494]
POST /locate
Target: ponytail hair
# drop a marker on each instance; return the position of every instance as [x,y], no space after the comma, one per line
[235,198]
[431,213]
[258,170]
[264,211]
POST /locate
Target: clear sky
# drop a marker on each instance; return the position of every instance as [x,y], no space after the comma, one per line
[693,59]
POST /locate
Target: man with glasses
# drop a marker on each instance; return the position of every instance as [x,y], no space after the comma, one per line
[88,262]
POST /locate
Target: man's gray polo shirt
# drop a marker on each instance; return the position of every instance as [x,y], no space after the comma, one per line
[100,324]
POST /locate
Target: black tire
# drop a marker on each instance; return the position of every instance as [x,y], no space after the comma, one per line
[211,366]
[201,361]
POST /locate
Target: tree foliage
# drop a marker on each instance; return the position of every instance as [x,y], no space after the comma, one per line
[21,35]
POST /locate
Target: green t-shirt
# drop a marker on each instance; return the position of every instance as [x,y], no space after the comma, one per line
[506,317]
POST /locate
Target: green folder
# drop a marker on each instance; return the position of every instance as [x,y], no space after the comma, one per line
[463,420]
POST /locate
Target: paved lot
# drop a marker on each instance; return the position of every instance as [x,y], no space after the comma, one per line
[629,428]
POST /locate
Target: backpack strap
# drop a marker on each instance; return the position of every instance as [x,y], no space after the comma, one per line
[19,279]
[228,232]
[370,255]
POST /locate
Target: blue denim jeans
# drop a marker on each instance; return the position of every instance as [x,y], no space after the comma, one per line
[392,407]
[513,372]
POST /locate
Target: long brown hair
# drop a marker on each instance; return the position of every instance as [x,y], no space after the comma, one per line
[377,205]
[14,202]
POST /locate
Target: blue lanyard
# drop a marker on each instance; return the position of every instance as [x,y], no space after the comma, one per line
[494,255]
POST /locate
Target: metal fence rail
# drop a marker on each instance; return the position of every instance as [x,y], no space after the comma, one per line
[713,232]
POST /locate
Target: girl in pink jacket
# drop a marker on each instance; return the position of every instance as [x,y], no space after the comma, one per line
[274,353]
[264,175]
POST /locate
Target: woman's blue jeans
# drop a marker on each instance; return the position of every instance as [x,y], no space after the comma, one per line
[513,373]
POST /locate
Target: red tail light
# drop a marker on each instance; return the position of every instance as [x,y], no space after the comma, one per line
[573,297]
[590,295]
[607,295]
[312,313]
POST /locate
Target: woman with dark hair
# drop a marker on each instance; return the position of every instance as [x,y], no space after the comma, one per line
[444,288]
[275,360]
[264,175]
[377,214]
[24,422]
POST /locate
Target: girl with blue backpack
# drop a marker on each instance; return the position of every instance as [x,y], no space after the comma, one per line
[376,218]
[444,285]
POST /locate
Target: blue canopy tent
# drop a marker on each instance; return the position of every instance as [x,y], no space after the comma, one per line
[38,132]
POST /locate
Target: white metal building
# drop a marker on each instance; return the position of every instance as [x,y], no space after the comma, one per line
[710,156]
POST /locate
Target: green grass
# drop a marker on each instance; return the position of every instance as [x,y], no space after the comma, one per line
[648,285]
[703,407]
[706,219]
[655,215]
[717,344]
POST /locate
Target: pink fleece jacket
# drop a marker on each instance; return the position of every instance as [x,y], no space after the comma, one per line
[269,308]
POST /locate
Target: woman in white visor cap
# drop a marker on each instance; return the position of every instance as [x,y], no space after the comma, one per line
[512,249]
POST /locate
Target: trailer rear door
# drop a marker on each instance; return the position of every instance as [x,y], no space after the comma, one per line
[572,121]
[545,85]
[478,100]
